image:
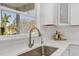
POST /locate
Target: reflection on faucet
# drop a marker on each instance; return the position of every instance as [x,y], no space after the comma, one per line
[39,34]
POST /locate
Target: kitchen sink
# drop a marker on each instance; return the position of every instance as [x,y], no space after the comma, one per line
[38,51]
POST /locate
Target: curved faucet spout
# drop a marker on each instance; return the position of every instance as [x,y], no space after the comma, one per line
[39,34]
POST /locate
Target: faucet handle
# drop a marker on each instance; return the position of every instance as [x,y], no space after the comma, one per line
[30,45]
[33,43]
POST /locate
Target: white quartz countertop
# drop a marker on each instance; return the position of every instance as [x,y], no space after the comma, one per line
[61,45]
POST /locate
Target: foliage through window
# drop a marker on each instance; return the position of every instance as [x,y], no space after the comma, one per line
[7,22]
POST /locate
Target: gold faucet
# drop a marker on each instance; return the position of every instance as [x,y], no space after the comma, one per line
[39,34]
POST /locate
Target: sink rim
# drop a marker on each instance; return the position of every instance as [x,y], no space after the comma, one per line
[40,47]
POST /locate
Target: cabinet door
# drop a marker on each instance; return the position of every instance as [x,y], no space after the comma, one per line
[63,14]
[74,13]
[46,13]
[74,50]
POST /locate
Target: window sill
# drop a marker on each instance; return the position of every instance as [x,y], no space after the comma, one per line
[14,37]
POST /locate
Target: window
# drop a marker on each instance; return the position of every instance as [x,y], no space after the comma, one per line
[8,22]
[12,23]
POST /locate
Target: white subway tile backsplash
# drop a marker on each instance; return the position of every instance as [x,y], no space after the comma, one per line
[70,32]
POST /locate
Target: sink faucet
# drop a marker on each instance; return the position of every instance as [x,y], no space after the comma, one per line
[39,34]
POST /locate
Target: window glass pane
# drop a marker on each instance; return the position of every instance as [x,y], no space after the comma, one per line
[8,22]
[26,23]
[64,13]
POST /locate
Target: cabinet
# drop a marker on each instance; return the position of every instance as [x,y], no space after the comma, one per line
[63,14]
[74,13]
[46,13]
[59,13]
[53,13]
[74,50]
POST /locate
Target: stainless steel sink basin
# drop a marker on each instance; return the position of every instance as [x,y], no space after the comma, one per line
[38,51]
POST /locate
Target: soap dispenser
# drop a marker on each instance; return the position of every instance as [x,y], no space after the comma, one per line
[56,35]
